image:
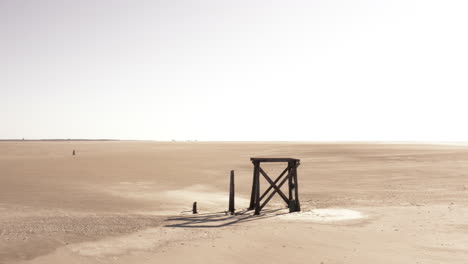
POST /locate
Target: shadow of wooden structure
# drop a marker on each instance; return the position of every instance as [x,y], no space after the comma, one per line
[218,219]
[258,201]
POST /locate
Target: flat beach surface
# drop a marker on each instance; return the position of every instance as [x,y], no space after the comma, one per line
[130,202]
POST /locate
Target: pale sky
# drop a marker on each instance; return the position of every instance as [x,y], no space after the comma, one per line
[234,70]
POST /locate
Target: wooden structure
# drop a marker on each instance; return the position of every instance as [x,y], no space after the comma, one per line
[231,194]
[257,201]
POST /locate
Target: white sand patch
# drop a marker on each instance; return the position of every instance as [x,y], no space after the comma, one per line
[324,215]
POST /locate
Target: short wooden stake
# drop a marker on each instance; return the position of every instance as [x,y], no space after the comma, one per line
[231,194]
[194,209]
[73,152]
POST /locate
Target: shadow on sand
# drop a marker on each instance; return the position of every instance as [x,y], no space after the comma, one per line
[220,219]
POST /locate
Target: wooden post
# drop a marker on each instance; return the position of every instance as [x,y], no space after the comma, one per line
[194,208]
[73,152]
[252,196]
[290,183]
[231,194]
[296,187]
[257,187]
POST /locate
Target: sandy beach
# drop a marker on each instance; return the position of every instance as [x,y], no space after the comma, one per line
[130,202]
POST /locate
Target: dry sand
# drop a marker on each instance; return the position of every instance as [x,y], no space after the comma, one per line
[129,202]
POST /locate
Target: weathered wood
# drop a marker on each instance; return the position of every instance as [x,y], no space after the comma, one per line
[273,160]
[257,187]
[257,202]
[74,152]
[194,208]
[296,188]
[252,196]
[272,184]
[292,206]
[231,194]
[273,193]
[276,181]
[290,182]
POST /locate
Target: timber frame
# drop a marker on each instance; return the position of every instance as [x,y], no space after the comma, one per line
[257,201]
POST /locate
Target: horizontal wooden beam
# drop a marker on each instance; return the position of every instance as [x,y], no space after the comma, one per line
[273,159]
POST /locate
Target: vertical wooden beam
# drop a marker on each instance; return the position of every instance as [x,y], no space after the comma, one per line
[252,196]
[296,187]
[257,187]
[231,194]
[290,183]
[194,208]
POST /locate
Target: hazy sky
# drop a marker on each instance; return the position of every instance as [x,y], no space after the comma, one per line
[234,70]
